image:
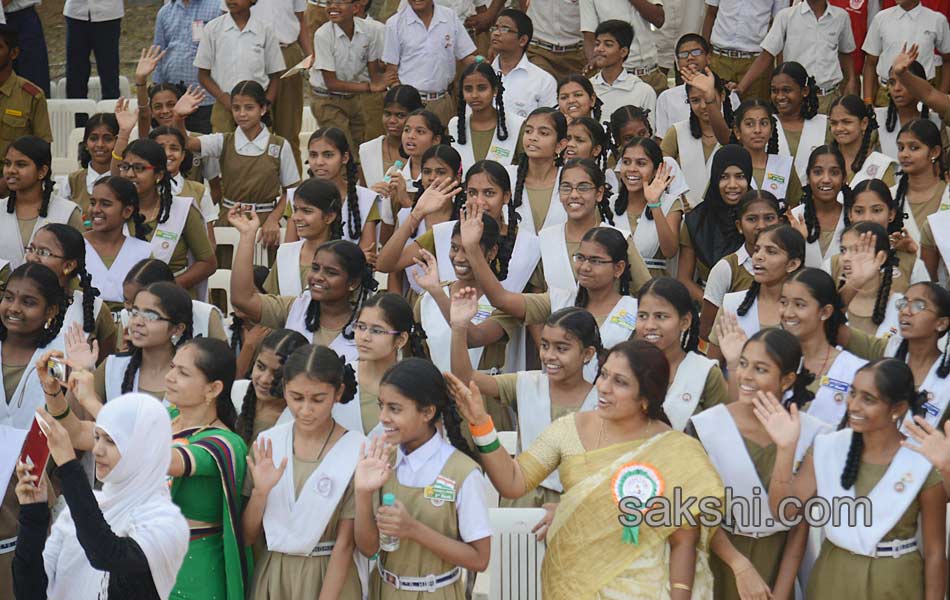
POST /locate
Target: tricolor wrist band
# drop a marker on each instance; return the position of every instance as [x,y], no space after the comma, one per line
[490,447]
[482,428]
[485,440]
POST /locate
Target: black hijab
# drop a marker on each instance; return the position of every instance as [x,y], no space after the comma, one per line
[712,224]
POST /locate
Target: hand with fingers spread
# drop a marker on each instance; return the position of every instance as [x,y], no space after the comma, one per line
[246,222]
[783,426]
[661,181]
[468,399]
[30,487]
[797,223]
[428,275]
[471,227]
[125,115]
[865,262]
[373,469]
[903,60]
[540,530]
[148,61]
[929,441]
[82,353]
[436,197]
[464,307]
[189,101]
[703,80]
[731,338]
[264,472]
[57,438]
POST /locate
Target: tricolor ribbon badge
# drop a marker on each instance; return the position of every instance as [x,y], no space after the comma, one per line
[636,480]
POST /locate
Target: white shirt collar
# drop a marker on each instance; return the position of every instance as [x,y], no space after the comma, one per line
[912,13]
[260,142]
[359,26]
[807,9]
[92,177]
[177,183]
[438,16]
[251,25]
[624,81]
[416,459]
[742,255]
[524,64]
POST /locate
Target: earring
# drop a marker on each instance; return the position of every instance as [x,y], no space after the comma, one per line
[49,323]
[645,408]
[174,339]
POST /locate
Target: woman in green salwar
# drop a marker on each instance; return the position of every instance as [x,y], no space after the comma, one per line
[623,446]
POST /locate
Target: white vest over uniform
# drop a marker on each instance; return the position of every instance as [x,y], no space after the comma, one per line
[831,399]
[813,256]
[556,213]
[168,234]
[749,321]
[778,172]
[297,321]
[813,135]
[11,244]
[18,411]
[109,280]
[686,389]
[692,156]
[288,268]
[500,151]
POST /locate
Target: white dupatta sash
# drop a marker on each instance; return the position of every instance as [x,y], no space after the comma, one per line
[691,155]
[371,160]
[439,332]
[524,256]
[618,327]
[938,397]
[813,135]
[500,151]
[115,373]
[534,413]
[108,280]
[350,415]
[813,256]
[11,244]
[749,321]
[295,524]
[558,266]
[723,441]
[297,321]
[166,236]
[687,389]
[365,199]
[18,411]
[288,268]
[890,498]
[556,213]
[874,167]
[939,226]
[778,173]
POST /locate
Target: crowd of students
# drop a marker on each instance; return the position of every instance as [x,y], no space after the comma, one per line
[734,287]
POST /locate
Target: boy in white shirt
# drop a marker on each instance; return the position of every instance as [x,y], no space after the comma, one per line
[527,86]
[235,47]
[908,23]
[423,42]
[614,85]
[346,67]
[557,45]
[640,15]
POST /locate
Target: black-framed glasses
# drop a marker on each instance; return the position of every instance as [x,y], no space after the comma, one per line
[592,260]
[688,53]
[149,316]
[41,252]
[566,188]
[913,306]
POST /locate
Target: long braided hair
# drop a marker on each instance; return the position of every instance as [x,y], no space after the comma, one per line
[619,120]
[498,175]
[324,196]
[881,244]
[890,121]
[598,179]
[940,297]
[588,87]
[614,244]
[740,114]
[152,152]
[581,325]
[808,200]
[559,121]
[397,314]
[675,293]
[39,152]
[695,129]
[786,238]
[895,384]
[785,349]
[420,381]
[484,69]
[175,301]
[73,245]
[653,152]
[282,343]
[351,259]
[879,189]
[47,283]
[354,220]
[126,193]
[929,135]
[856,107]
[599,139]
[822,288]
[806,82]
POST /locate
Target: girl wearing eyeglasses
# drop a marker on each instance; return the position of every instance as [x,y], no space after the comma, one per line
[177,230]
[63,250]
[601,258]
[27,170]
[385,332]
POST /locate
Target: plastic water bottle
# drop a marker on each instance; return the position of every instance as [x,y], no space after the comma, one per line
[397,166]
[388,543]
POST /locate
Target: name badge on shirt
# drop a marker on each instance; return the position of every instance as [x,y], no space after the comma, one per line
[484,311]
[841,386]
[625,320]
[13,112]
[273,150]
[197,27]
[500,152]
[440,492]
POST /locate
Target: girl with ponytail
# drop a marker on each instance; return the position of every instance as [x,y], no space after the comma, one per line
[95,160]
[539,168]
[668,319]
[853,124]
[779,252]
[602,261]
[27,169]
[63,250]
[339,282]
[421,419]
[766,552]
[903,104]
[175,228]
[174,142]
[386,331]
[315,220]
[570,340]
[811,310]
[261,395]
[626,123]
[330,159]
[110,253]
[650,202]
[756,129]
[315,543]
[489,133]
[799,125]
[820,217]
[865,459]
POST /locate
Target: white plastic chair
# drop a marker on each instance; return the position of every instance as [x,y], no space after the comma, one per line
[304,140]
[58,89]
[62,167]
[62,118]
[227,236]
[72,147]
[309,121]
[221,280]
[514,570]
[108,106]
[94,89]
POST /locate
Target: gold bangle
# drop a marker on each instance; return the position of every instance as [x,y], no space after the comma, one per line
[116,156]
[681,586]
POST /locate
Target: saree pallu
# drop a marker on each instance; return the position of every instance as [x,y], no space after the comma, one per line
[586,555]
[217,565]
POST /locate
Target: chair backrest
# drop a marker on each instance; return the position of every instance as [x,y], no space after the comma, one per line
[221,280]
[94,89]
[62,119]
[108,106]
[57,89]
[514,570]
[72,147]
[125,88]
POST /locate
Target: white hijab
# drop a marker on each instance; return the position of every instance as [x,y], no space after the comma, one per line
[134,501]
